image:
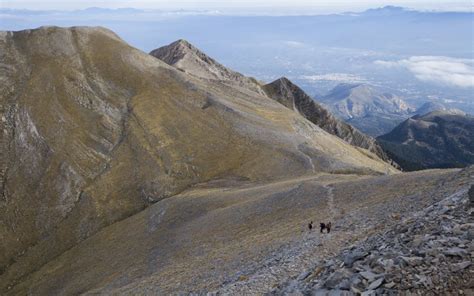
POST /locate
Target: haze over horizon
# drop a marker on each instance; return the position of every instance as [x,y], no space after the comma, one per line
[243,6]
[381,47]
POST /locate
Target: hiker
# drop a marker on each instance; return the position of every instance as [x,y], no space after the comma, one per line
[322,225]
[326,226]
[310,225]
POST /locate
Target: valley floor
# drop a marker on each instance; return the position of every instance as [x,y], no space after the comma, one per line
[233,237]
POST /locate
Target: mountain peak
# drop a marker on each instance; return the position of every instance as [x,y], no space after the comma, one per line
[184,42]
[284,80]
[186,57]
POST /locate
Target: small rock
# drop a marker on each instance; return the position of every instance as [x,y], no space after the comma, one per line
[389,285]
[412,261]
[345,285]
[349,259]
[369,276]
[303,275]
[375,284]
[455,252]
[461,266]
[334,279]
[355,290]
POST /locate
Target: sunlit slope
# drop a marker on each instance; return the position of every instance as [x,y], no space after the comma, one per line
[95,131]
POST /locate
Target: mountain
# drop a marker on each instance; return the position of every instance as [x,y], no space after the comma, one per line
[122,175]
[186,57]
[294,98]
[366,107]
[438,139]
[94,131]
[430,107]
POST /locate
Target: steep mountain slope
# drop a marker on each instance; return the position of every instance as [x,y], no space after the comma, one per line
[294,98]
[94,131]
[186,57]
[435,140]
[367,108]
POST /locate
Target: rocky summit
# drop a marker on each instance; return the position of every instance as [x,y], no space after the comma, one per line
[186,57]
[125,174]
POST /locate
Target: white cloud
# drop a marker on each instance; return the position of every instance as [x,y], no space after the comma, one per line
[341,77]
[450,71]
[292,43]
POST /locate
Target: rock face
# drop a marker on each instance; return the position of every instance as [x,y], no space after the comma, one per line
[438,139]
[370,110]
[94,131]
[186,57]
[285,92]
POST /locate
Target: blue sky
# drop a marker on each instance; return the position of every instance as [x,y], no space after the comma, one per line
[241,5]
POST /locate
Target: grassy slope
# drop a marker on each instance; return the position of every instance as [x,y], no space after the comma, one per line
[97,131]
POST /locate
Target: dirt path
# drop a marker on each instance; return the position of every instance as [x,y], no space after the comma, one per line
[286,262]
[330,200]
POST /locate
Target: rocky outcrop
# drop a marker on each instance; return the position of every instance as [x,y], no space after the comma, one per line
[438,139]
[290,95]
[186,57]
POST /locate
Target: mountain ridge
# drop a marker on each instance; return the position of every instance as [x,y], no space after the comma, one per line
[439,139]
[293,97]
[185,56]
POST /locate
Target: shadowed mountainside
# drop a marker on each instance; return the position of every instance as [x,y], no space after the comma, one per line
[94,131]
[440,139]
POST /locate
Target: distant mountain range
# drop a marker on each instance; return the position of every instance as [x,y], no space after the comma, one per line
[439,139]
[372,110]
[369,109]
